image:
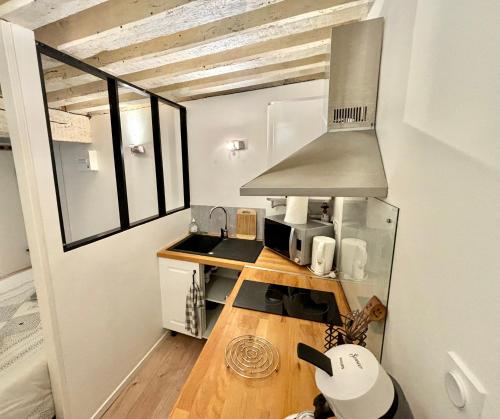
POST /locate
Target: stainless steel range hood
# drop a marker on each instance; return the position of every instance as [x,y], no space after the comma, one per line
[346,160]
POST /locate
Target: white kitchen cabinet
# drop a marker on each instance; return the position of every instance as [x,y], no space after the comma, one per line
[176,277]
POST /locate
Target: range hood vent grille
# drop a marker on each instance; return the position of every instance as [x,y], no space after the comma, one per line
[349,115]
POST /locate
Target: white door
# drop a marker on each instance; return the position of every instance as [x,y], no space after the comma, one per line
[175,279]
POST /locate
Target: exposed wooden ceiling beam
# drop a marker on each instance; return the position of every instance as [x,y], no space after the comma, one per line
[8,6]
[188,15]
[35,13]
[188,48]
[275,21]
[256,80]
[211,81]
[66,126]
[300,79]
[210,31]
[90,21]
[197,64]
[181,96]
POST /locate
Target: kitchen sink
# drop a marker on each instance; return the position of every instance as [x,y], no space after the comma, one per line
[197,243]
[234,249]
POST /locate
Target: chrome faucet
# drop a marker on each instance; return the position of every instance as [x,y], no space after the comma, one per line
[223,231]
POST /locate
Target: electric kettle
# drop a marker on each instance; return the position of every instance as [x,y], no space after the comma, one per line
[323,249]
[353,385]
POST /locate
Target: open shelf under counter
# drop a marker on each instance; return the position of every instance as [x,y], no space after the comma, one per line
[211,316]
[219,288]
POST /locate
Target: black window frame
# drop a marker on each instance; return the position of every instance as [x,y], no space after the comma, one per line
[121,188]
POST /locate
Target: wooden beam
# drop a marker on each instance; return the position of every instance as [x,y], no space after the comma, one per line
[35,13]
[188,15]
[197,64]
[214,30]
[257,80]
[301,79]
[69,127]
[10,6]
[101,18]
[212,80]
[284,80]
[64,126]
[245,29]
[275,57]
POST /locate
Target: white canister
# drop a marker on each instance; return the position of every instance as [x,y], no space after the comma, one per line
[323,249]
[296,209]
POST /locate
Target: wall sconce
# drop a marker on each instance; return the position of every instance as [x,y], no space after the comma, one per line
[236,145]
[137,149]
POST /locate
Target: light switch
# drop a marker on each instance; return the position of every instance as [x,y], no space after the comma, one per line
[464,390]
[93,162]
[89,162]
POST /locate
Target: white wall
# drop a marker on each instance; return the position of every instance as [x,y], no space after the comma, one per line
[439,136]
[108,305]
[100,303]
[215,173]
[13,242]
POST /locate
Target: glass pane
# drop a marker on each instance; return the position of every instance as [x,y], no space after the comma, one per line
[366,239]
[171,149]
[83,151]
[138,153]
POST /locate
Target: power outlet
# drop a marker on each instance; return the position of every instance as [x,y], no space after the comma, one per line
[464,390]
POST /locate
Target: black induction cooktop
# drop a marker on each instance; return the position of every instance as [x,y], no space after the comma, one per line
[301,303]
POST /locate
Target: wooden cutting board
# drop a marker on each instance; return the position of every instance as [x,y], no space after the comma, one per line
[246,224]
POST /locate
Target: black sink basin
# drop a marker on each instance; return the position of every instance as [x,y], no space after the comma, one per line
[197,243]
[234,249]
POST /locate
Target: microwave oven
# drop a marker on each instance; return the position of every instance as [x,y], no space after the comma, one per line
[293,241]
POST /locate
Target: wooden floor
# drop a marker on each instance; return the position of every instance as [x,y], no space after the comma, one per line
[155,388]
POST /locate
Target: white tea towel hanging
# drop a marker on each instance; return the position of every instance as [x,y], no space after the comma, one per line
[194,301]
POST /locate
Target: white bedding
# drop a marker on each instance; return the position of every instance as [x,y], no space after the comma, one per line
[25,390]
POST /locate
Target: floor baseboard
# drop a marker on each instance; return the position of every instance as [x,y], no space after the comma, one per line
[116,392]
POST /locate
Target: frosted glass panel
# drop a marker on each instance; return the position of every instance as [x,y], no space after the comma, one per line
[366,223]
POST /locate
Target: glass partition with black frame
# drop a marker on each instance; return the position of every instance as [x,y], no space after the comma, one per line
[115,155]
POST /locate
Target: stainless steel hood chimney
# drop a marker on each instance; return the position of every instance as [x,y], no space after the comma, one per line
[346,160]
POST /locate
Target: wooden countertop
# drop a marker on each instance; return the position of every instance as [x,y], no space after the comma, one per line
[267,259]
[237,265]
[271,260]
[212,391]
